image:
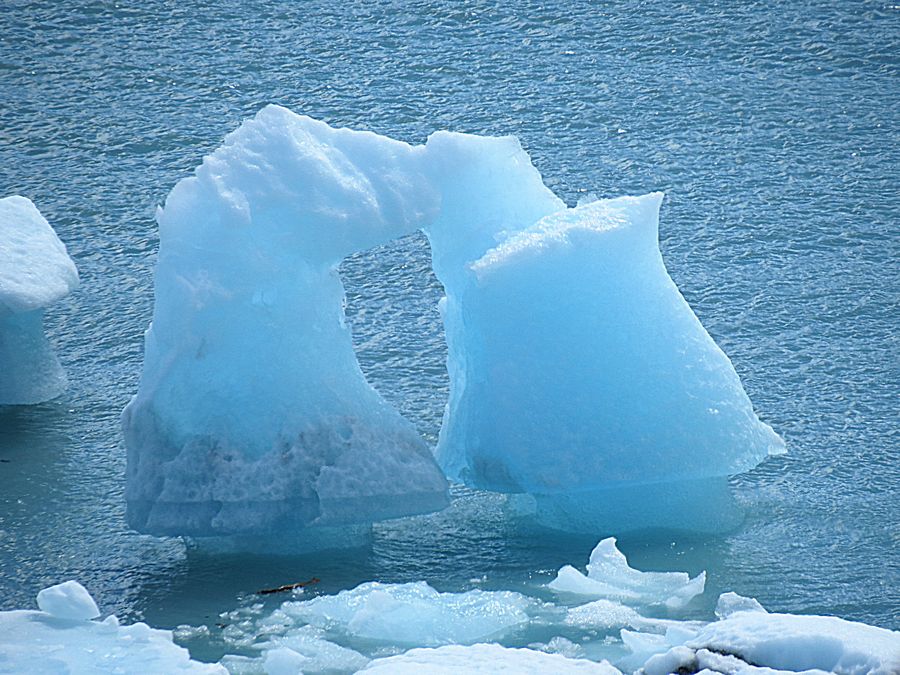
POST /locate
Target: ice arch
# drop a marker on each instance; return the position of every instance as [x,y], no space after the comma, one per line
[578,372]
[252,414]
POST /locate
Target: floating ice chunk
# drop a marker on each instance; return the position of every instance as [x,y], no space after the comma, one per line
[316,653]
[35,271]
[730,602]
[581,366]
[64,640]
[414,614]
[68,600]
[749,640]
[800,642]
[484,658]
[610,577]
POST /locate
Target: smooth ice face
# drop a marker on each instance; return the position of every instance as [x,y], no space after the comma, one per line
[584,367]
[484,658]
[35,271]
[610,577]
[414,614]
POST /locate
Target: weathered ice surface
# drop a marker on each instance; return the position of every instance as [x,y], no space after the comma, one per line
[35,272]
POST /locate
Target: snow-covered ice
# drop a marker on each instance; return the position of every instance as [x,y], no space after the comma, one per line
[35,272]
[484,658]
[62,639]
[575,364]
[610,577]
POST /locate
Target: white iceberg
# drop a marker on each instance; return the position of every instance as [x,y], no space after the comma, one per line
[484,658]
[610,577]
[63,639]
[35,272]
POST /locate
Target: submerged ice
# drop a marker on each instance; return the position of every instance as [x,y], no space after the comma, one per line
[575,364]
[35,272]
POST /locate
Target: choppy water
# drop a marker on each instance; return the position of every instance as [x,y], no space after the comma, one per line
[772,127]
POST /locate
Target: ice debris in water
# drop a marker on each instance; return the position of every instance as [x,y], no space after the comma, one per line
[414,613]
[62,638]
[484,658]
[35,272]
[609,576]
[407,627]
[575,364]
[68,600]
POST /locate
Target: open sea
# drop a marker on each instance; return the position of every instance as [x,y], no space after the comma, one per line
[772,127]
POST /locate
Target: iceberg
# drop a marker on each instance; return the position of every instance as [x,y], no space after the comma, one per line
[62,638]
[35,272]
[577,370]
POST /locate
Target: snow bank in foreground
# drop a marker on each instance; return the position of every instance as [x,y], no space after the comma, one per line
[63,639]
[35,271]
[609,576]
[484,658]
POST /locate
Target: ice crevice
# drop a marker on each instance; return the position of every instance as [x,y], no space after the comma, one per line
[577,370]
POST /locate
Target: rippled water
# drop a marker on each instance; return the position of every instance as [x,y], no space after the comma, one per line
[772,127]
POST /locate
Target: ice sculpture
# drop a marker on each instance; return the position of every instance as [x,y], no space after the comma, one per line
[575,364]
[35,271]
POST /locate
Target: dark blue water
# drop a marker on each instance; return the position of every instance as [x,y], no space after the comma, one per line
[772,127]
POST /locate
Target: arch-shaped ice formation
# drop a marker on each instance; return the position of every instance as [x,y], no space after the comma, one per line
[252,414]
[35,272]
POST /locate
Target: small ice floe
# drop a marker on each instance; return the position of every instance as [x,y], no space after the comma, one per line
[609,577]
[414,614]
[63,638]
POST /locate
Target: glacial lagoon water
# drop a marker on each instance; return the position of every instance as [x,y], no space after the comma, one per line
[772,130]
